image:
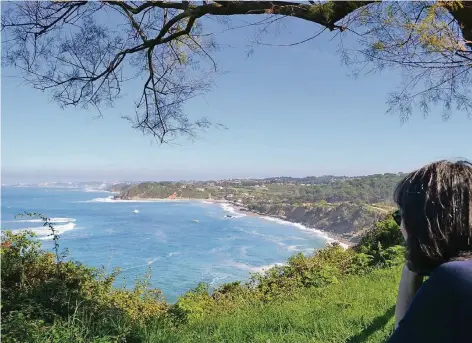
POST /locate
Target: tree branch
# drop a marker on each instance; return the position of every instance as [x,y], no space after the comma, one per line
[60,46]
[462,13]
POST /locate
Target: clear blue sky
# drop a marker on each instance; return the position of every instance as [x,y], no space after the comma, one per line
[289,111]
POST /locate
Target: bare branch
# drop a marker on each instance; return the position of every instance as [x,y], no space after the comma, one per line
[65,47]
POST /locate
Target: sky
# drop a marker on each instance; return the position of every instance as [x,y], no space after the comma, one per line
[291,111]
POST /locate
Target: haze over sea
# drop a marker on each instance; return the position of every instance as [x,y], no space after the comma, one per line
[183,242]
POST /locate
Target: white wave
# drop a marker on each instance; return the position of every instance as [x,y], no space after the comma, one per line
[269,238]
[151,261]
[309,251]
[229,238]
[26,221]
[294,248]
[61,220]
[173,253]
[107,199]
[262,269]
[299,226]
[218,279]
[228,208]
[44,232]
[297,238]
[37,220]
[148,263]
[215,250]
[253,269]
[94,190]
[160,236]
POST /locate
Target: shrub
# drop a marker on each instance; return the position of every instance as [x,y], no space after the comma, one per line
[361,264]
[193,305]
[41,293]
[386,233]
[326,266]
[383,244]
[22,329]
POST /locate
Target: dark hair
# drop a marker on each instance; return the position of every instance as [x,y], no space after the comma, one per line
[436,209]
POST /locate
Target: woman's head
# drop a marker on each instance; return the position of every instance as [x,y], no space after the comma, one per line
[436,210]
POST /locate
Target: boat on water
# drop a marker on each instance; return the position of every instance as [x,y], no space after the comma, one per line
[195,221]
[135,211]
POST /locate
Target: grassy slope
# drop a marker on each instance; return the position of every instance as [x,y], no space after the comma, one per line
[359,309]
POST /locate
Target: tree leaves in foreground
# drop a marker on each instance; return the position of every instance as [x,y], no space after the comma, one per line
[84,53]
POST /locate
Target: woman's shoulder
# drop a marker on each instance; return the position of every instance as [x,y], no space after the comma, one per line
[455,272]
[463,266]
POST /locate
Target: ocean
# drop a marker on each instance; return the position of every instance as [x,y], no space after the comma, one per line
[184,242]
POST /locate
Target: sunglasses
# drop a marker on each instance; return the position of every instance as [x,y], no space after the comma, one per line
[397,216]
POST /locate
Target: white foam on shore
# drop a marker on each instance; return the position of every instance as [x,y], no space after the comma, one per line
[229,208]
[299,226]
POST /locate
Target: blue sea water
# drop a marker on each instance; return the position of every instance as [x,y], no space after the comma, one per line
[183,242]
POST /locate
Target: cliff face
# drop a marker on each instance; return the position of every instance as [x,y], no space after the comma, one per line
[346,220]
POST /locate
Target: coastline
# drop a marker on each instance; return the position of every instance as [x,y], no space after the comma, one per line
[330,237]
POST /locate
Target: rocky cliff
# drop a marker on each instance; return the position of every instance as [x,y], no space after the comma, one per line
[345,220]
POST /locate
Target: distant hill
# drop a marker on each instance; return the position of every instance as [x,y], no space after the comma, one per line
[343,206]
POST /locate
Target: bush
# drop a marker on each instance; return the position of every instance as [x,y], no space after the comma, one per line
[326,266]
[386,233]
[41,293]
[383,243]
[193,305]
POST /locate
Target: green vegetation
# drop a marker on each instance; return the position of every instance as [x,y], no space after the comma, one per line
[364,189]
[334,295]
[360,309]
[48,299]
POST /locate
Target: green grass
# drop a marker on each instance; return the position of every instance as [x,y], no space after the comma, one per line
[359,309]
